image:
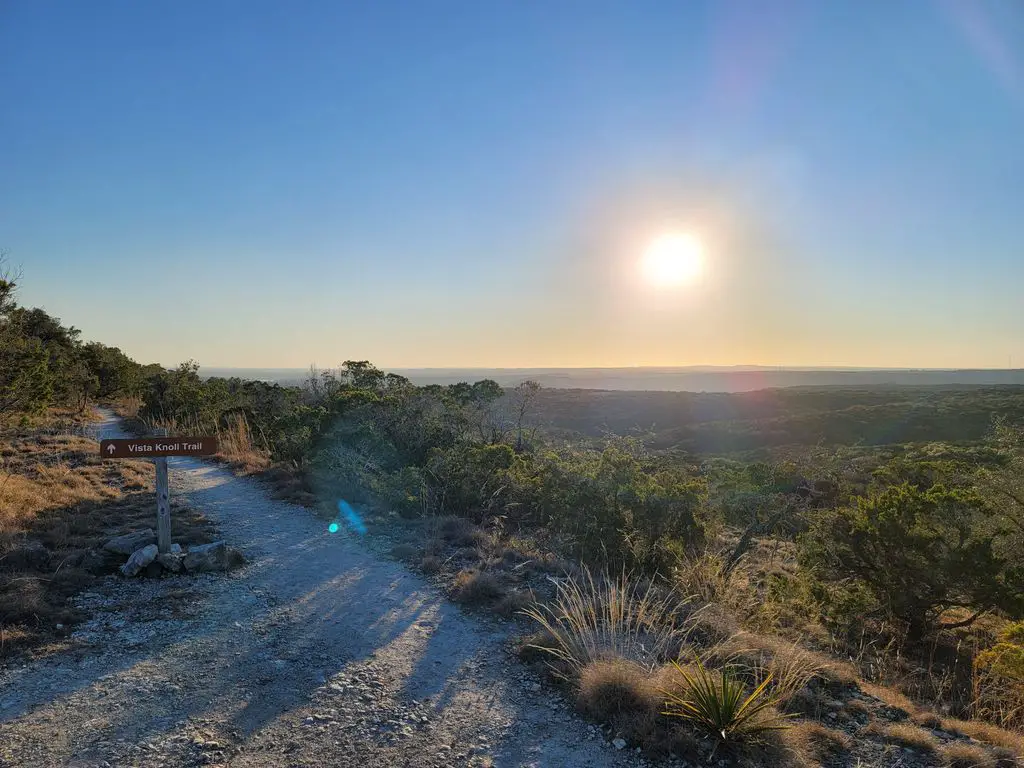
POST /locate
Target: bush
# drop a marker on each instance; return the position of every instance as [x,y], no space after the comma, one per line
[918,553]
[998,680]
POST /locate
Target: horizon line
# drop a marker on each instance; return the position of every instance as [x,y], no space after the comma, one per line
[696,368]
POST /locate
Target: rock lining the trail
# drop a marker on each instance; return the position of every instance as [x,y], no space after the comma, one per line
[201,558]
[140,560]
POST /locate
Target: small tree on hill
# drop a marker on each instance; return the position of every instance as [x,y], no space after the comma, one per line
[919,553]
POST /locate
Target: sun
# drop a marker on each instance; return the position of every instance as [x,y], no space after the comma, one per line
[673,259]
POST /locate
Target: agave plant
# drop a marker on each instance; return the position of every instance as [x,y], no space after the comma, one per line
[721,705]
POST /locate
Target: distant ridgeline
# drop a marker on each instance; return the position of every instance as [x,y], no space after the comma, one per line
[739,379]
[754,410]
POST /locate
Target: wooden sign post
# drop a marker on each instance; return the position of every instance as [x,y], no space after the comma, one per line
[158,449]
[163,502]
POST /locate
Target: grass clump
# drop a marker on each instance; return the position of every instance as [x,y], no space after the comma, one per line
[963,754]
[613,687]
[602,618]
[474,587]
[460,532]
[1011,741]
[904,734]
[926,719]
[515,602]
[817,742]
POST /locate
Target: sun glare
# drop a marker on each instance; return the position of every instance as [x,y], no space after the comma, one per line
[672,260]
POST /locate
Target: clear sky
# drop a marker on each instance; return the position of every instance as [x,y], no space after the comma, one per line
[434,183]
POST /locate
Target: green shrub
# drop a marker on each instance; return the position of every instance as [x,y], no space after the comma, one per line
[918,553]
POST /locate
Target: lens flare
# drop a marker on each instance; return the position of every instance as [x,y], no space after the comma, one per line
[333,527]
[351,517]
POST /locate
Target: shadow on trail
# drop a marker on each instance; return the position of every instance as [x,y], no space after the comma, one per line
[258,644]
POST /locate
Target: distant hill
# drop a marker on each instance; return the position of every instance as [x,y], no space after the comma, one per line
[686,379]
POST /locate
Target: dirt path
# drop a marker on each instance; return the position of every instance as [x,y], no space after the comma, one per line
[316,653]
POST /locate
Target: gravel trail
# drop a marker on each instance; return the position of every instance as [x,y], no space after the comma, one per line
[316,653]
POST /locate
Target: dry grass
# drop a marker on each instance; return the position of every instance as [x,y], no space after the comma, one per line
[601,618]
[890,696]
[236,445]
[536,647]
[460,532]
[59,502]
[903,734]
[755,649]
[962,754]
[474,587]
[243,451]
[515,602]
[987,733]
[817,742]
[609,688]
[926,719]
[857,707]
[705,578]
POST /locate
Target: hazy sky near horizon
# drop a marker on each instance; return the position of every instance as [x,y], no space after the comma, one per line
[442,183]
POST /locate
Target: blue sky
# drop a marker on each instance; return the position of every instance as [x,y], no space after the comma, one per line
[474,183]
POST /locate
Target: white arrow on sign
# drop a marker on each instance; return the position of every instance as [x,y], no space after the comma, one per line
[111,449]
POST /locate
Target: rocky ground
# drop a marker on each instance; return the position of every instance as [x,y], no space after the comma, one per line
[318,652]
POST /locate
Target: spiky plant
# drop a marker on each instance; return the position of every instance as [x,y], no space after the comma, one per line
[721,706]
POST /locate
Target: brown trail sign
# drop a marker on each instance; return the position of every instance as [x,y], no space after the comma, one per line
[157,449]
[154,447]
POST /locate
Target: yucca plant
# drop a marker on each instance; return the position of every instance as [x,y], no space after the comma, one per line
[721,705]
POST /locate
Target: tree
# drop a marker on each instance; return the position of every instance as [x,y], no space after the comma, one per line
[523,397]
[26,384]
[116,373]
[1003,486]
[361,374]
[919,553]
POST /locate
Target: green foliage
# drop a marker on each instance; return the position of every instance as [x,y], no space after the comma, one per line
[616,507]
[26,385]
[998,679]
[116,374]
[918,553]
[43,362]
[721,705]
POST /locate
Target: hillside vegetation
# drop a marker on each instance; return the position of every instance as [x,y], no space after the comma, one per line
[750,563]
